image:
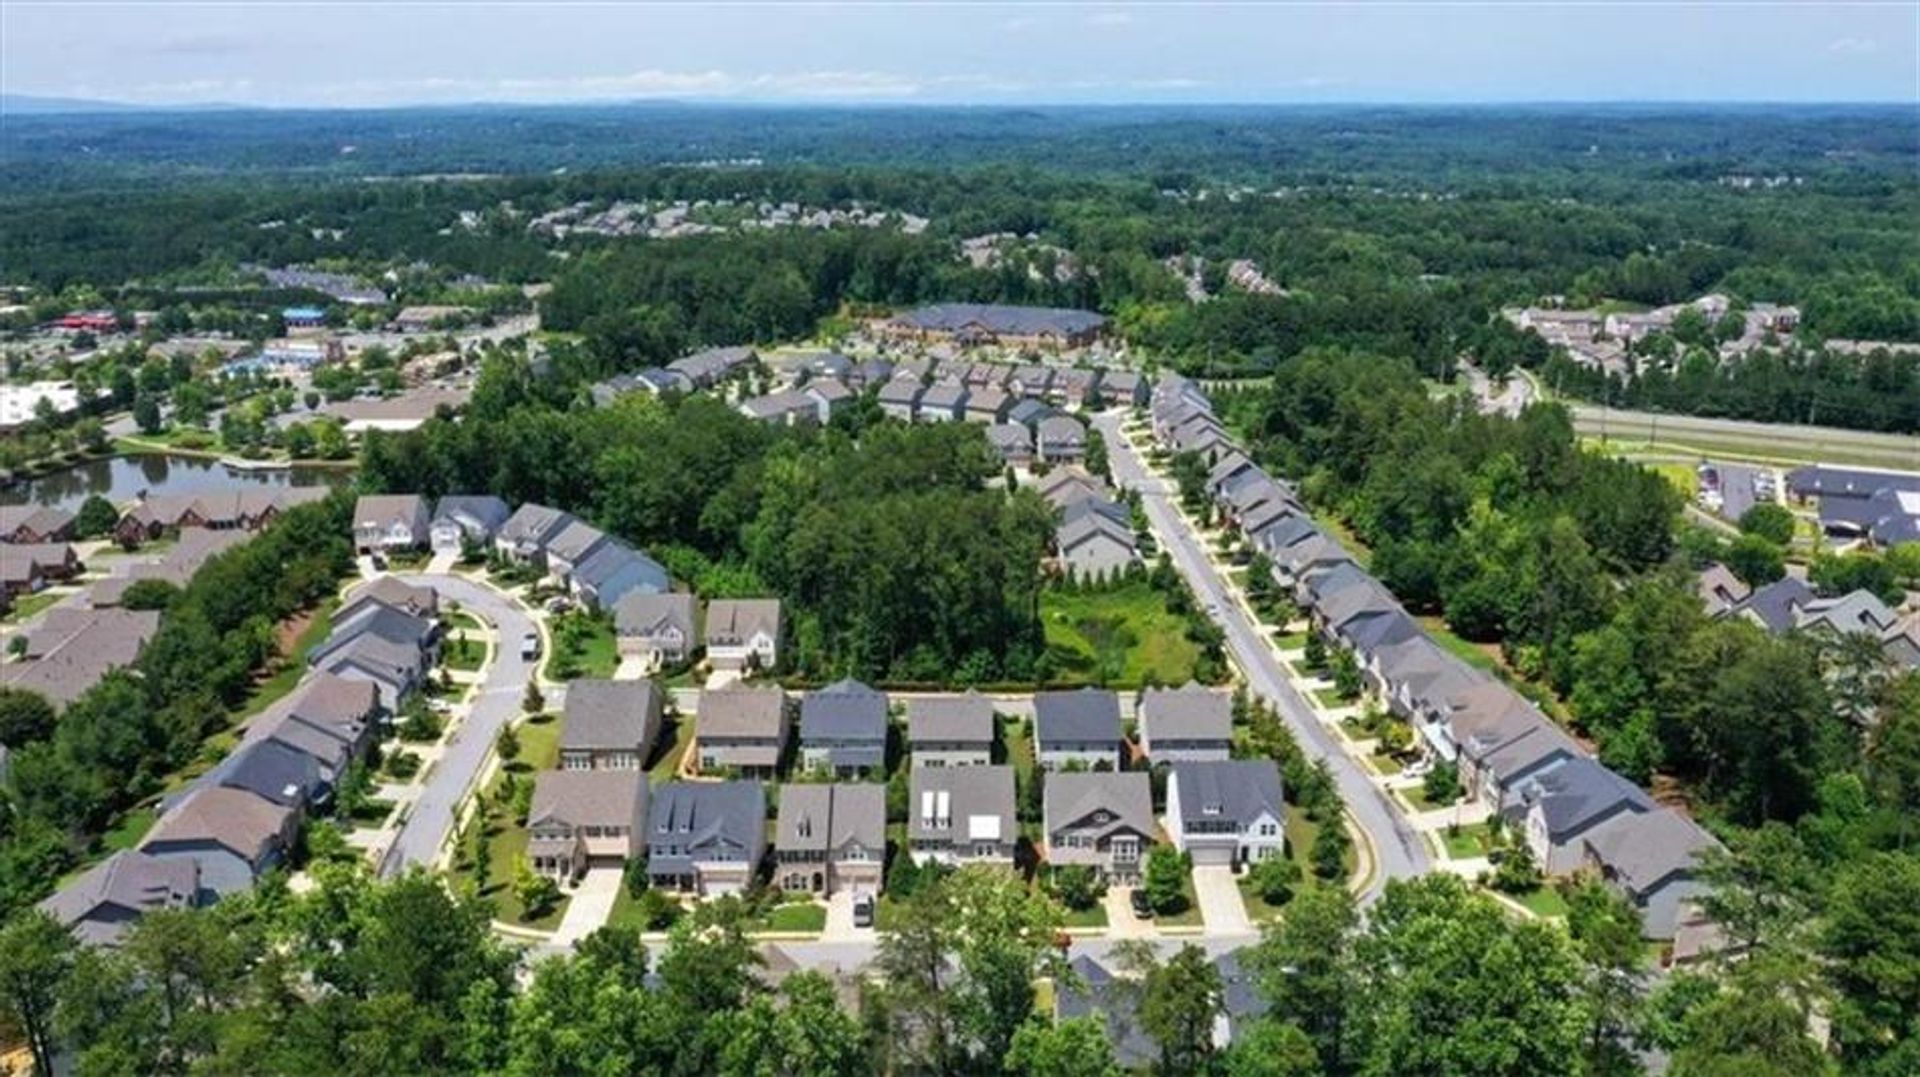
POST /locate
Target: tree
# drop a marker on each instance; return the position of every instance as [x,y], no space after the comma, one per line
[533,702]
[1077,886]
[1075,1047]
[24,716]
[1179,1001]
[146,414]
[1346,674]
[1165,879]
[1274,879]
[536,891]
[1329,852]
[1301,968]
[1871,936]
[36,953]
[1756,560]
[1270,1048]
[507,744]
[1518,872]
[149,595]
[96,517]
[1768,521]
[1442,784]
[1606,931]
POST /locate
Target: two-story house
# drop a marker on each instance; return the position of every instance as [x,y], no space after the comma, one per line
[1103,820]
[610,725]
[1185,724]
[830,838]
[1226,811]
[950,731]
[741,730]
[1081,726]
[743,633]
[962,815]
[658,628]
[706,837]
[585,818]
[843,728]
[231,835]
[390,522]
[1563,803]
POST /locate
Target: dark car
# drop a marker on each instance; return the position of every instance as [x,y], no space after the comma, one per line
[863,910]
[1141,907]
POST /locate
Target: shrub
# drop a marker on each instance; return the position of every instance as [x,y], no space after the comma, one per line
[1165,880]
[403,765]
[1077,886]
[1442,785]
[1274,879]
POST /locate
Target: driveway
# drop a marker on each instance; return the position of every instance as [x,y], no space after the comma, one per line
[840,921]
[590,906]
[1399,852]
[1121,922]
[1221,907]
[497,699]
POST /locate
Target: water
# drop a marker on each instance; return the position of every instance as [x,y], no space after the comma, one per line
[121,478]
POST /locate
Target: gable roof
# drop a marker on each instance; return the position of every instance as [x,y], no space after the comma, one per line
[614,562]
[576,541]
[741,711]
[233,819]
[610,715]
[1640,849]
[129,880]
[532,526]
[640,613]
[1090,526]
[483,510]
[844,710]
[383,509]
[693,814]
[820,817]
[966,719]
[271,770]
[584,798]
[1234,790]
[998,318]
[1774,605]
[742,618]
[978,802]
[1086,714]
[1190,712]
[1578,792]
[1127,795]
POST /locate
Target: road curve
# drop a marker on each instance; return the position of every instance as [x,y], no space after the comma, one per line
[1399,852]
[431,818]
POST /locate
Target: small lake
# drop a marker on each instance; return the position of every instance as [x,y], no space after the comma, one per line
[122,478]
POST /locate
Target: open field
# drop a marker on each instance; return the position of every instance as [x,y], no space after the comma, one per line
[1126,632]
[1776,443]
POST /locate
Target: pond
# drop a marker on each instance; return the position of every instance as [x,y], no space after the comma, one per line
[122,478]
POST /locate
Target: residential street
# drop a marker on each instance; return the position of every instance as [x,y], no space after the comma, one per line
[498,699]
[1399,852]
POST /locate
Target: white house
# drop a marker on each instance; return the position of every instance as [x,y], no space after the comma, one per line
[1226,812]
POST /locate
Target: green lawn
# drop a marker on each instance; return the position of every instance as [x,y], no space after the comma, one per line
[1417,796]
[127,833]
[585,649]
[1330,698]
[1467,651]
[506,849]
[1019,741]
[1469,842]
[1092,916]
[626,912]
[1290,641]
[464,655]
[1385,764]
[461,620]
[1543,901]
[795,916]
[1121,635]
[539,744]
[668,765]
[27,605]
[1187,917]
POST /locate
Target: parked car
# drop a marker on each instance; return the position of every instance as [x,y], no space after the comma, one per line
[559,604]
[1142,908]
[530,646]
[863,910]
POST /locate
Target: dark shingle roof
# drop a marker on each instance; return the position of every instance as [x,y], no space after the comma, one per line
[1237,790]
[1088,714]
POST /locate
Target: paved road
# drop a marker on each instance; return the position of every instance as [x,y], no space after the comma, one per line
[1400,852]
[1770,440]
[498,699]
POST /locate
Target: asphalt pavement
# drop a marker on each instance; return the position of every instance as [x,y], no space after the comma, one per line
[1399,852]
[497,700]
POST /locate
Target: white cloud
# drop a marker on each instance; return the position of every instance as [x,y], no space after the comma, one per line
[1853,46]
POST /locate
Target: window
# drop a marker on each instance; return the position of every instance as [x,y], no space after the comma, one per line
[1268,830]
[1125,851]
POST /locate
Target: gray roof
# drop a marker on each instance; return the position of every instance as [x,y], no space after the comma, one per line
[533,526]
[405,632]
[272,770]
[1375,630]
[1774,605]
[964,719]
[1116,1003]
[1640,849]
[394,593]
[740,711]
[1579,792]
[575,542]
[821,817]
[617,563]
[384,509]
[1028,412]
[996,318]
[1009,437]
[128,880]
[1187,713]
[979,800]
[603,714]
[1063,430]
[233,819]
[1236,790]
[639,613]
[1087,714]
[700,814]
[844,710]
[1086,527]
[900,389]
[479,511]
[741,618]
[1126,795]
[589,797]
[72,649]
[944,396]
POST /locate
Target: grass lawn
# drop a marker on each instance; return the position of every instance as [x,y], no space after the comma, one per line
[1330,698]
[668,764]
[1345,537]
[506,850]
[27,605]
[626,912]
[1127,631]
[590,651]
[1417,796]
[373,811]
[1018,737]
[539,744]
[464,656]
[809,916]
[1094,915]
[1543,901]
[1385,764]
[1480,657]
[1471,841]
[461,620]
[1290,641]
[1187,917]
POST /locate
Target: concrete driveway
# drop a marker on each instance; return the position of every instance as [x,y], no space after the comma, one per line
[1221,907]
[1121,922]
[591,905]
[840,921]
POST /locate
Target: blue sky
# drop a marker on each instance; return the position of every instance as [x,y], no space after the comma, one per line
[338,54]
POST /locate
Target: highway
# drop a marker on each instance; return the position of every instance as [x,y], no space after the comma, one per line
[1399,852]
[1772,441]
[498,699]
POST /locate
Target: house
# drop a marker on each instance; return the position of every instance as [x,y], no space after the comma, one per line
[843,727]
[586,818]
[1496,759]
[1854,503]
[1561,804]
[1081,726]
[393,593]
[332,720]
[1720,590]
[1063,486]
[177,566]
[658,628]
[1061,439]
[423,318]
[29,524]
[610,725]
[830,838]
[71,649]
[275,772]
[942,402]
[1226,811]
[706,837]
[52,561]
[828,396]
[950,731]
[20,575]
[741,729]
[105,900]
[389,522]
[613,571]
[571,547]
[1013,443]
[232,836]
[1102,820]
[788,407]
[1113,1002]
[705,369]
[463,519]
[1029,411]
[1775,607]
[968,324]
[870,374]
[900,397]
[654,381]
[393,650]
[1032,381]
[523,538]
[987,404]
[1125,388]
[250,510]
[1185,724]
[962,815]
[1095,546]
[1078,389]
[743,633]
[1651,858]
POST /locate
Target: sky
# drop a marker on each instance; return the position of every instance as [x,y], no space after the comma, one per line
[353,54]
